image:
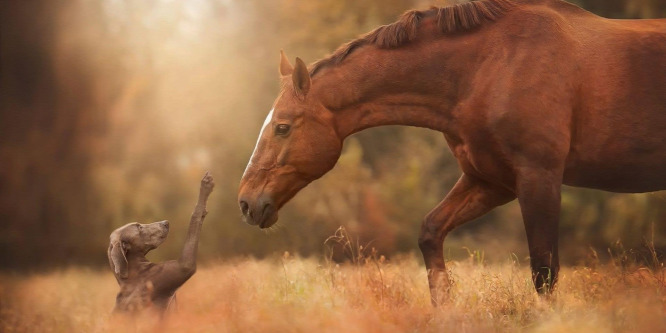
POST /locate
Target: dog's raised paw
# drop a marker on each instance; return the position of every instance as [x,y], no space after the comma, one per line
[207,182]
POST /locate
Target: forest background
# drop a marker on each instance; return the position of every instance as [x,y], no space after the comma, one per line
[112,110]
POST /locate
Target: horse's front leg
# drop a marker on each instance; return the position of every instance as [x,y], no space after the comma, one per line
[469,199]
[539,198]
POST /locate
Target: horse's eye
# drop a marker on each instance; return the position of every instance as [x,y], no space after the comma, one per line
[282,129]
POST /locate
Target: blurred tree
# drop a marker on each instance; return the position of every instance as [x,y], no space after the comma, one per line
[50,125]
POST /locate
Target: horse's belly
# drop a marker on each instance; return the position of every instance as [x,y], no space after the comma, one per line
[617,174]
[624,151]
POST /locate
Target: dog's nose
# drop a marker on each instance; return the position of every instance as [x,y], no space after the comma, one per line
[165,224]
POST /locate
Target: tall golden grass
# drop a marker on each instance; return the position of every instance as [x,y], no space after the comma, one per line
[292,294]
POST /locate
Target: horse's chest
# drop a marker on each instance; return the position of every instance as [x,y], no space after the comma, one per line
[483,163]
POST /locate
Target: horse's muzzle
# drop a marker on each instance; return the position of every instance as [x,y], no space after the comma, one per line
[261,212]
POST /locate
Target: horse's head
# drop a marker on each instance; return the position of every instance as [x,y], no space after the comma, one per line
[298,143]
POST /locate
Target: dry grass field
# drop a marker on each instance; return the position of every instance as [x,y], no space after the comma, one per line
[291,294]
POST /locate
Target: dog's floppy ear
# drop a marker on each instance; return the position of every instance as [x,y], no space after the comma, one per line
[117,259]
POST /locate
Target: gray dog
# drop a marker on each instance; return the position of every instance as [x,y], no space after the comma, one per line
[144,284]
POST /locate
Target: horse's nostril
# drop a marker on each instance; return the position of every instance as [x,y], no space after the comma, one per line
[267,206]
[244,207]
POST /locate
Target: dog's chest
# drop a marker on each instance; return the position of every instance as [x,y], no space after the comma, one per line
[141,295]
[135,296]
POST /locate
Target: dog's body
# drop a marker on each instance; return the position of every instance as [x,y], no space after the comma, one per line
[144,284]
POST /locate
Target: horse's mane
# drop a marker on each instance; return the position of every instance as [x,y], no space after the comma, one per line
[457,18]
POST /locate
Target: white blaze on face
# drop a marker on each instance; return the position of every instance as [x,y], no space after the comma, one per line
[266,122]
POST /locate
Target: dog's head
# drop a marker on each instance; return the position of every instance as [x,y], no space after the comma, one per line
[134,238]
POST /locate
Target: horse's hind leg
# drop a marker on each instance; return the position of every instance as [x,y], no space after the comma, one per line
[539,198]
[469,199]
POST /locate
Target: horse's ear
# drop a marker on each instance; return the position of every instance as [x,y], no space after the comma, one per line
[285,66]
[301,78]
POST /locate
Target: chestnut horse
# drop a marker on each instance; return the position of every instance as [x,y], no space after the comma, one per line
[529,95]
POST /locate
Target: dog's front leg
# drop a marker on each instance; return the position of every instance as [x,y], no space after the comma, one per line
[188,258]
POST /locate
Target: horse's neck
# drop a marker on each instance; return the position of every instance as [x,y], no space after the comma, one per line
[376,88]
[390,112]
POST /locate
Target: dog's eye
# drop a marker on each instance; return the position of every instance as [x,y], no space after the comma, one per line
[282,129]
